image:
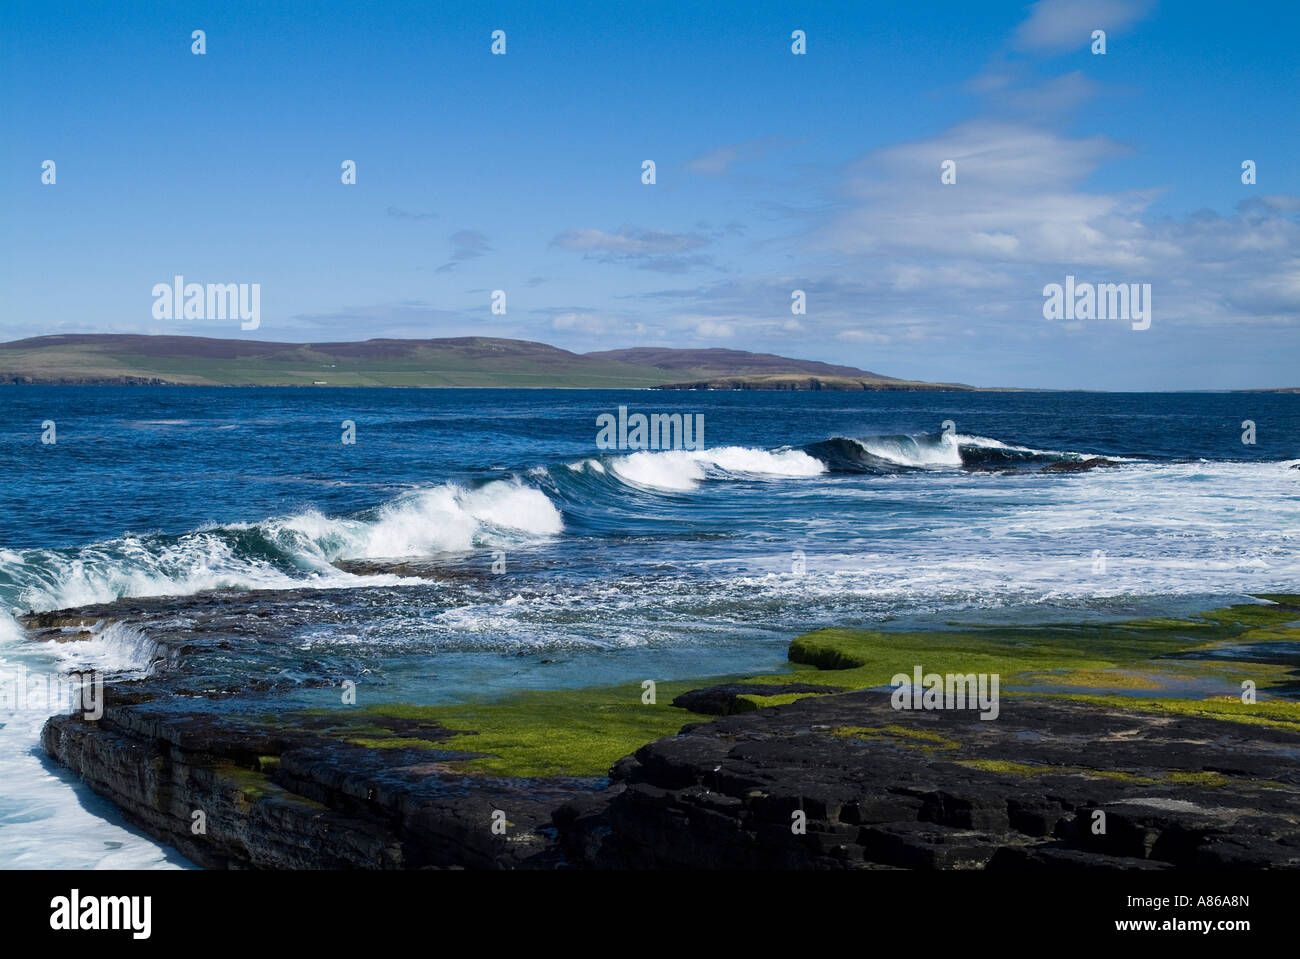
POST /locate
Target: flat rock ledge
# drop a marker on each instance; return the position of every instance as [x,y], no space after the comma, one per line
[831,781]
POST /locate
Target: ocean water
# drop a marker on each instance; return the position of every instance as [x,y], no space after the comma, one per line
[568,565]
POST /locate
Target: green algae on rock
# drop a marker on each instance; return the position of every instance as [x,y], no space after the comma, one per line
[1187,772]
[582,732]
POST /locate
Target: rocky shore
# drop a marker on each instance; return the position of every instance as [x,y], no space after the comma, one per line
[936,789]
[830,775]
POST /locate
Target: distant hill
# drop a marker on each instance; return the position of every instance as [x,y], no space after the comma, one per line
[467,361]
[705,364]
[460,361]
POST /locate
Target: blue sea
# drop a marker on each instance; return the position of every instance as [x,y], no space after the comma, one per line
[570,565]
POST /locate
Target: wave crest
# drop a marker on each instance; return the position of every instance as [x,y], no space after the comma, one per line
[685,469]
[928,451]
[278,553]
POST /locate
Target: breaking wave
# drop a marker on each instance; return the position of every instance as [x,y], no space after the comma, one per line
[277,553]
[685,469]
[289,551]
[929,451]
[117,648]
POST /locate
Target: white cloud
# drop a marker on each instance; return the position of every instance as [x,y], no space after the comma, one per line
[720,160]
[658,250]
[581,322]
[715,330]
[1017,196]
[1056,25]
[862,336]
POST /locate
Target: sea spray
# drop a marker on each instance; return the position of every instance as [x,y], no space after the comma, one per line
[279,553]
[684,470]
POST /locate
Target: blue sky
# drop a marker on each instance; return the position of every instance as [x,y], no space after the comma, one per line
[775,172]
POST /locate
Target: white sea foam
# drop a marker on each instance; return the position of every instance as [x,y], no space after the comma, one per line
[118,648]
[418,523]
[916,451]
[943,450]
[684,469]
[422,522]
[987,442]
[49,820]
[10,631]
[131,566]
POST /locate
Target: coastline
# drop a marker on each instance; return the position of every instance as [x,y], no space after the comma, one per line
[710,774]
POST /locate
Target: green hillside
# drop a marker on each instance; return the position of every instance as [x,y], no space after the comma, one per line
[471,361]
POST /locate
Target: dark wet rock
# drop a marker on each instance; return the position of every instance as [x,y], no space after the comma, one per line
[62,626]
[872,787]
[1002,469]
[411,568]
[954,792]
[281,798]
[725,699]
[917,845]
[63,619]
[1078,466]
[1058,856]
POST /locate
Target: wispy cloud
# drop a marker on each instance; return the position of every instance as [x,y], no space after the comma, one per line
[468,244]
[644,249]
[1017,197]
[465,245]
[583,322]
[721,159]
[892,257]
[1056,25]
[1020,215]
